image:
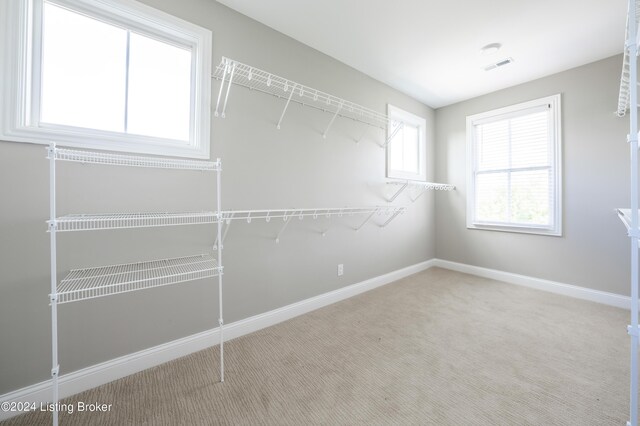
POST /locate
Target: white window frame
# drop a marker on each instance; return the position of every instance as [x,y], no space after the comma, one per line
[20,77]
[400,116]
[555,140]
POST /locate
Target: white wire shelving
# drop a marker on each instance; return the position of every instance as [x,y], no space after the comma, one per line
[628,99]
[625,79]
[94,222]
[231,71]
[106,158]
[287,215]
[418,188]
[89,283]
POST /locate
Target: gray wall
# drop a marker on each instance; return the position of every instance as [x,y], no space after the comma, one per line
[263,168]
[593,251]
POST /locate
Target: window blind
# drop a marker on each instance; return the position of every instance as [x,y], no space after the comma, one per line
[513,169]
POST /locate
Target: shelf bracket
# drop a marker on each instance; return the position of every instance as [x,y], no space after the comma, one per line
[399,191]
[220,242]
[286,222]
[324,135]
[393,134]
[393,216]
[413,199]
[226,68]
[286,106]
[226,98]
[367,219]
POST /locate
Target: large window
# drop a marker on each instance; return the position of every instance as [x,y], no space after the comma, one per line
[513,158]
[114,75]
[406,150]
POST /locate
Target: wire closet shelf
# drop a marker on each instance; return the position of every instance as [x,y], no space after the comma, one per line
[94,157]
[90,283]
[94,222]
[625,78]
[287,216]
[417,186]
[231,71]
[293,213]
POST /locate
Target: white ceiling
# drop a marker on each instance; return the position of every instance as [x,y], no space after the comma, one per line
[429,49]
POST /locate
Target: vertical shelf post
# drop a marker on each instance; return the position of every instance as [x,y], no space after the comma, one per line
[53,297]
[220,270]
[632,49]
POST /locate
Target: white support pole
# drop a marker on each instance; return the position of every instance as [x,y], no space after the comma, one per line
[285,107]
[220,269]
[402,188]
[324,135]
[226,98]
[53,297]
[633,140]
[224,74]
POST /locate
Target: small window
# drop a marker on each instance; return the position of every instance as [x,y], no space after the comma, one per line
[406,150]
[514,179]
[107,75]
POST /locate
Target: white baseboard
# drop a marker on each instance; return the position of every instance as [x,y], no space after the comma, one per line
[603,297]
[99,374]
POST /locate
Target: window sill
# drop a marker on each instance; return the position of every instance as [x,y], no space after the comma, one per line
[517,229]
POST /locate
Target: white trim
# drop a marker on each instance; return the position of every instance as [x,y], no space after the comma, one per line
[603,297]
[19,71]
[556,164]
[99,374]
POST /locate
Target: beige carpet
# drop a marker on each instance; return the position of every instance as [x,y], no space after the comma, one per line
[437,348]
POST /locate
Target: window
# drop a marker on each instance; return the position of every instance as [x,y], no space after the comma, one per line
[513,158]
[115,75]
[406,150]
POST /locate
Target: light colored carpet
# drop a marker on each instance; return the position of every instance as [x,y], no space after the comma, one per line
[436,348]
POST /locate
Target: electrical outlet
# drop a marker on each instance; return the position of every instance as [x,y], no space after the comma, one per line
[340,269]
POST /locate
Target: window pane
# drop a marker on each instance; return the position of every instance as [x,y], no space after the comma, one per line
[159,89]
[531,197]
[83,74]
[530,140]
[396,151]
[491,197]
[410,149]
[492,151]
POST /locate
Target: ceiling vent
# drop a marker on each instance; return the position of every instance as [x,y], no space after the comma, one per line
[500,63]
